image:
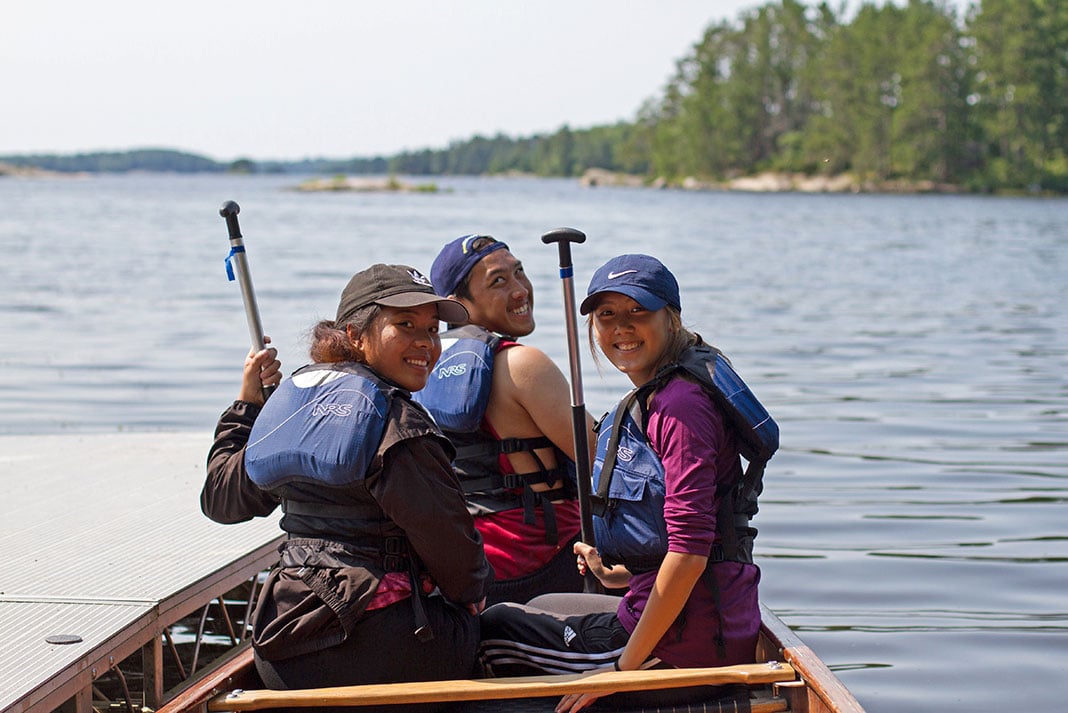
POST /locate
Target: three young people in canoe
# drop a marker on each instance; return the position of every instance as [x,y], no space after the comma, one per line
[398,535]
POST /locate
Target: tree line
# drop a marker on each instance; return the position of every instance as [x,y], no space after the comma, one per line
[911,93]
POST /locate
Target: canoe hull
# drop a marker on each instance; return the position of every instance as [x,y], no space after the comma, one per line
[815,688]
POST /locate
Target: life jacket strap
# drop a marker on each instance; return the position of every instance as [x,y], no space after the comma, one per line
[517,445]
[599,501]
[314,554]
[502,447]
[328,510]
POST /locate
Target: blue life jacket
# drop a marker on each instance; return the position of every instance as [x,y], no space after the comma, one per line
[459,387]
[631,531]
[456,395]
[322,426]
[628,503]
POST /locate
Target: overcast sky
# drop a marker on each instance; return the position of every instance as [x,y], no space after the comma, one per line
[341,78]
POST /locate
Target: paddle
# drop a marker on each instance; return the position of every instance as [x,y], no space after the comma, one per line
[237,262]
[563,237]
[602,681]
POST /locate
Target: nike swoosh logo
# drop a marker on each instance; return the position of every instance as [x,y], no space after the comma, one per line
[614,275]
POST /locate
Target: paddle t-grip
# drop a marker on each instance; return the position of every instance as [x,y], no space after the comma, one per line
[563,237]
[229,210]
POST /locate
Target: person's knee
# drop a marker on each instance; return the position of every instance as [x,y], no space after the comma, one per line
[494,617]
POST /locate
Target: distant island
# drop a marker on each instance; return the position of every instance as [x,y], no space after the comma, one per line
[345,184]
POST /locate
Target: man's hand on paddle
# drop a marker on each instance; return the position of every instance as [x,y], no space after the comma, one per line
[262,368]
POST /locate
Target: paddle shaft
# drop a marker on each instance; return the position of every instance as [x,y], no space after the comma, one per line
[238,259]
[563,237]
[602,681]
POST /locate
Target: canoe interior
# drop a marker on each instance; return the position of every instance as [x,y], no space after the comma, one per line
[816,690]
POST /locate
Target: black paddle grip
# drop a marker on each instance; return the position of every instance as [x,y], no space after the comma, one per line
[229,210]
[563,237]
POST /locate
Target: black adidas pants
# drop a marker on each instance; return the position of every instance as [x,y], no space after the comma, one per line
[569,633]
[553,633]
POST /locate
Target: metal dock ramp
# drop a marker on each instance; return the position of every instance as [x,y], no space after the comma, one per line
[103,539]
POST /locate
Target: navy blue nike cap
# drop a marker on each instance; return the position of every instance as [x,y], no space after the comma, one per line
[641,277]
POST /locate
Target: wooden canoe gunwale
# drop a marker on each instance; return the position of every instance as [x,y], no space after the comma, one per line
[820,691]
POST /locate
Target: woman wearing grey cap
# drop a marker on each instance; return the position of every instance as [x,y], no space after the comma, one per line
[382,575]
[670,513]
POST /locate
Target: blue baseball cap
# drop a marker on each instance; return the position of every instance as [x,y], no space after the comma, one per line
[456,260]
[642,278]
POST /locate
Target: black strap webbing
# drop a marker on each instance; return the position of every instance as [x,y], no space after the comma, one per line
[599,500]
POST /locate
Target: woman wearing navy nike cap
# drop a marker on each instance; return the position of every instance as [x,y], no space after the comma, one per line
[666,530]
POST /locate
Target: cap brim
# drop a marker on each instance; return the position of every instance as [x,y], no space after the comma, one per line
[639,294]
[449,311]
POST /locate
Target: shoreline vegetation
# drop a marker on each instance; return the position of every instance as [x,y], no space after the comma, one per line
[765,182]
[770,182]
[916,97]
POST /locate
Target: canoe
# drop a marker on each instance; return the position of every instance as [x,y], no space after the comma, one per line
[788,676]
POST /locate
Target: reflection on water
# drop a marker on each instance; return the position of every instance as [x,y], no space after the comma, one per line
[913,527]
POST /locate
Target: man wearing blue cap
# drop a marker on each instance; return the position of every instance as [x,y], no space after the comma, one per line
[506,407]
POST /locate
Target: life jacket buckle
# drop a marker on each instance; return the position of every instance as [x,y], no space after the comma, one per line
[396,557]
[511,445]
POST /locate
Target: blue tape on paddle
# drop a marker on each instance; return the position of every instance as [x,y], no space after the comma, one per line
[229,267]
[566,272]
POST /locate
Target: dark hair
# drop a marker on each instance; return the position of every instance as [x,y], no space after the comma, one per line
[681,338]
[463,290]
[332,342]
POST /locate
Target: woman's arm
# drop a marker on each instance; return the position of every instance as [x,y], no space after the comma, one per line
[687,432]
[674,583]
[228,496]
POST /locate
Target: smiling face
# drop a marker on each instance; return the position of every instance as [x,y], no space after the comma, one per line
[402,345]
[501,297]
[634,339]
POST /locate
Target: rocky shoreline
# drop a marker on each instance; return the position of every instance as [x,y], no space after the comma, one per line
[770,182]
[10,170]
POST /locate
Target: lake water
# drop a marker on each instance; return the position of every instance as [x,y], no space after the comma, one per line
[914,527]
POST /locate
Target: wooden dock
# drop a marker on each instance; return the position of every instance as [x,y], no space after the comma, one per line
[104,544]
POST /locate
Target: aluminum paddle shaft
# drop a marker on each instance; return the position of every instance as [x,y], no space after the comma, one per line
[237,264]
[563,237]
